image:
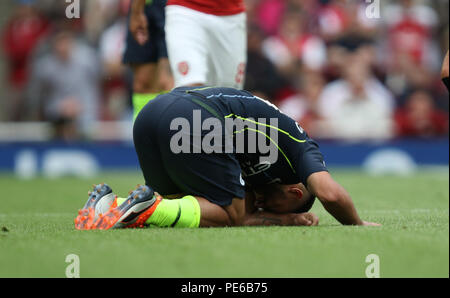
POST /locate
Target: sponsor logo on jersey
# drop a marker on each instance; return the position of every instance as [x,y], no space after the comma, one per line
[250,170]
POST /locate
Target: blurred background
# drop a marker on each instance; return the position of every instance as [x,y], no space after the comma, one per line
[367,87]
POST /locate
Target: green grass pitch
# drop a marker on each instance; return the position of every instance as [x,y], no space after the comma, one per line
[37,233]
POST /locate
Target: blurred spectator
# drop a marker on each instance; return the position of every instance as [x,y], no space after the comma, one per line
[269,15]
[262,77]
[357,106]
[99,14]
[65,83]
[324,62]
[25,28]
[359,24]
[341,49]
[111,49]
[333,19]
[411,54]
[337,18]
[302,106]
[293,44]
[411,26]
[420,118]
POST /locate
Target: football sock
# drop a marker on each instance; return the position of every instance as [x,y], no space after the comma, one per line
[178,213]
[120,201]
[141,99]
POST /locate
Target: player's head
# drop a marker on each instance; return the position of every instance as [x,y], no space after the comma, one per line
[278,198]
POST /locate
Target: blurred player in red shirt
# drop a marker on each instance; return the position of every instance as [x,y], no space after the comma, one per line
[207,42]
[146,52]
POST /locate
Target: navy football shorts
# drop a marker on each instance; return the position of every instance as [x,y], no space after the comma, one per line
[155,48]
[215,176]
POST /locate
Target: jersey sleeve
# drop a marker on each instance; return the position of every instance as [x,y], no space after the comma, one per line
[311,161]
[303,153]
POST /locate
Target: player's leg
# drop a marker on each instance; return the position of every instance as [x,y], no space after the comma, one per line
[148,62]
[187,46]
[145,208]
[143,66]
[213,215]
[212,181]
[228,42]
[144,85]
[214,177]
[193,212]
[164,82]
[104,210]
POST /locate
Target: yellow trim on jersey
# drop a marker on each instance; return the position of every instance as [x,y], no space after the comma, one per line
[267,125]
[279,149]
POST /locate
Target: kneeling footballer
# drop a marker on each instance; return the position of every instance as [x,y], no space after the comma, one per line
[214,157]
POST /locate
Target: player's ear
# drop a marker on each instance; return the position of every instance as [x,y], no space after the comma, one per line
[296,191]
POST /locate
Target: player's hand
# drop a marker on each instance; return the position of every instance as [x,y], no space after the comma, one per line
[139,27]
[371,224]
[306,219]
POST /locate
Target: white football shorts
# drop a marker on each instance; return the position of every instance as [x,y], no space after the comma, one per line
[206,49]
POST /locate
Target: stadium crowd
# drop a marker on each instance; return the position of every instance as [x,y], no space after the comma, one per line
[326,63]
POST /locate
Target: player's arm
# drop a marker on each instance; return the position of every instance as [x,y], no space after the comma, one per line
[138,21]
[254,217]
[263,218]
[445,71]
[335,199]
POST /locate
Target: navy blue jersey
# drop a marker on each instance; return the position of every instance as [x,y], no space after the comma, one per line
[224,173]
[298,155]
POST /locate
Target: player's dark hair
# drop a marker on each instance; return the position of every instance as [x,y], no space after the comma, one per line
[308,199]
[308,205]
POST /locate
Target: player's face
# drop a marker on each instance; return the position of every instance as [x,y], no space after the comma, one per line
[279,199]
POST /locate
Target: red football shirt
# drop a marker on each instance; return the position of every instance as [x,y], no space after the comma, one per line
[215,7]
